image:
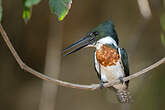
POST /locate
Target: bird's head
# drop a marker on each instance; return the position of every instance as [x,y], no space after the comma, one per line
[102,34]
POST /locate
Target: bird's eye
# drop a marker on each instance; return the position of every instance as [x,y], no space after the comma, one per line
[95,33]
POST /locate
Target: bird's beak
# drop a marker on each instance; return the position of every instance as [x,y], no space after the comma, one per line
[83,42]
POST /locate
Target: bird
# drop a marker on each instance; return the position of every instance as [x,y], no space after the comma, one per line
[110,61]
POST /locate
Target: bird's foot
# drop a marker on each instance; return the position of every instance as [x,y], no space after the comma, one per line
[101,84]
[121,80]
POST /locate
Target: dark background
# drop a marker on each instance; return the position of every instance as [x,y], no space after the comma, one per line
[40,42]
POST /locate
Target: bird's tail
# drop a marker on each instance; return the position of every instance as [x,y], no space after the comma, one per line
[124,96]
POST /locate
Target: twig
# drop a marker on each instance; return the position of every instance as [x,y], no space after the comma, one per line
[145,8]
[68,84]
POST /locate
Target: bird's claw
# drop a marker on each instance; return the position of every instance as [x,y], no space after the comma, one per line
[121,80]
[101,84]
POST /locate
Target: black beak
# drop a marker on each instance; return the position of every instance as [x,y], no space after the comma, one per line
[83,42]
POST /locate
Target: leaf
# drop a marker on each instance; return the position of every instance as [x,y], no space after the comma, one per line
[30,3]
[0,10]
[162,21]
[26,14]
[162,38]
[60,7]
[27,9]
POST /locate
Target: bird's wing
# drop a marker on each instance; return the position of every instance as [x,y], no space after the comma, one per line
[124,58]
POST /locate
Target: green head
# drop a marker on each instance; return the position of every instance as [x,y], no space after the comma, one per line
[104,33]
[105,29]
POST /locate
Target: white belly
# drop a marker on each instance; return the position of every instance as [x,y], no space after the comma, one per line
[110,73]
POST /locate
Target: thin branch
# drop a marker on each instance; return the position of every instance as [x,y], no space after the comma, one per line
[145,8]
[68,84]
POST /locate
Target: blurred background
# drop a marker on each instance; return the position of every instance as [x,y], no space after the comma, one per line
[40,42]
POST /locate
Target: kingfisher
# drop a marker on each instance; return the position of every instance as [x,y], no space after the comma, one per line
[110,61]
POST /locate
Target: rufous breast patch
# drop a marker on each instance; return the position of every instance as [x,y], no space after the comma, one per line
[107,56]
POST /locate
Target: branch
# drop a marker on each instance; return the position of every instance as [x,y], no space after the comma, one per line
[25,67]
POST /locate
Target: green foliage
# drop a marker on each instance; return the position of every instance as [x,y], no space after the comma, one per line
[30,3]
[162,38]
[60,7]
[162,23]
[27,10]
[26,14]
[0,10]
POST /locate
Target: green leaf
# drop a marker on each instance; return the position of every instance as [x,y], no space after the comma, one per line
[26,14]
[30,3]
[27,9]
[162,38]
[60,7]
[0,10]
[162,21]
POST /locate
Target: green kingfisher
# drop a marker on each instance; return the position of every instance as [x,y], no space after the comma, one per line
[110,61]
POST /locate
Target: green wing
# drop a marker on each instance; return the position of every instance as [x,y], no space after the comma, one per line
[124,58]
